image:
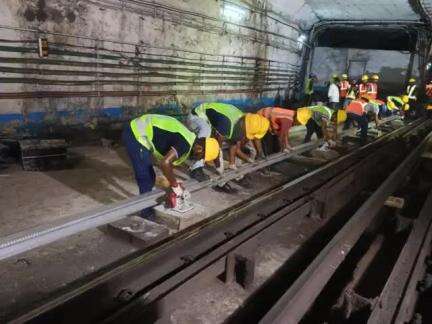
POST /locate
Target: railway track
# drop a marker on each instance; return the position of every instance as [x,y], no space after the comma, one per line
[225,245]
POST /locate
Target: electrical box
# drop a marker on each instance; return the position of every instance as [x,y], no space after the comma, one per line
[43,47]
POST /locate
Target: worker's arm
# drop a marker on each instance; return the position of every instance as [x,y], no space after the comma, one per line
[235,150]
[377,122]
[324,125]
[220,139]
[258,146]
[167,167]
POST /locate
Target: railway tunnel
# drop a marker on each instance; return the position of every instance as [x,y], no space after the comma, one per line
[215,161]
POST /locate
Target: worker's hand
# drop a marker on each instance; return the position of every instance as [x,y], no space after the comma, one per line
[178,190]
[232,167]
[331,143]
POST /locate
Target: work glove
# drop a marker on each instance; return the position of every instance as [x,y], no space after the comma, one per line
[178,190]
[232,167]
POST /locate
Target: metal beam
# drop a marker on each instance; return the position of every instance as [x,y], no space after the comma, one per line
[294,304]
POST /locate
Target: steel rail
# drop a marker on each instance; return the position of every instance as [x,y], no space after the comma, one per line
[44,234]
[297,300]
[395,288]
[163,260]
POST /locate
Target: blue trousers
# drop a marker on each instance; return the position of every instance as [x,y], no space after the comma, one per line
[362,122]
[141,159]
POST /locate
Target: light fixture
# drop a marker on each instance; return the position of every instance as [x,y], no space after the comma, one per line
[233,13]
[301,40]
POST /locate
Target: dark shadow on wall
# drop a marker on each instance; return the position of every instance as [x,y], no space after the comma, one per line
[392,81]
[96,179]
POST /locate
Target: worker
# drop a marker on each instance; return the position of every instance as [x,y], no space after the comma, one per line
[428,90]
[232,125]
[309,89]
[397,104]
[168,141]
[411,92]
[333,93]
[316,119]
[363,86]
[281,121]
[359,110]
[344,87]
[372,92]
[351,94]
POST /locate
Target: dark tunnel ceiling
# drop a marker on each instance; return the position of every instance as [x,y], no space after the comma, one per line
[368,38]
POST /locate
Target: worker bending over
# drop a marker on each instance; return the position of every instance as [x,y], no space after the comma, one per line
[359,110]
[316,119]
[281,121]
[168,141]
[237,128]
[397,104]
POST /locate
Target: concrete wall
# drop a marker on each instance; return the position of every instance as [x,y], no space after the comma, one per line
[111,60]
[390,65]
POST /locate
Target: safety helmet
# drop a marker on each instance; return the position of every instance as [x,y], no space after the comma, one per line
[406,107]
[341,116]
[412,80]
[365,77]
[405,99]
[344,76]
[211,149]
[256,126]
[303,115]
[375,77]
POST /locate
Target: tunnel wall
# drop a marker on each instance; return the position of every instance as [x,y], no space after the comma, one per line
[111,60]
[390,65]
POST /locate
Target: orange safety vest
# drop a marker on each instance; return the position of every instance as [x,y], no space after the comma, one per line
[429,90]
[344,86]
[275,113]
[356,107]
[372,90]
[363,89]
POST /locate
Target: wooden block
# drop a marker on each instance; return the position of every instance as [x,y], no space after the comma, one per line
[138,231]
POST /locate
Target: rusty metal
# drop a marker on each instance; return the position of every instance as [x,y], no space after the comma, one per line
[294,304]
[396,285]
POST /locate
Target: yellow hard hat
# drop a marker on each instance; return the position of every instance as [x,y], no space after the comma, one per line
[375,77]
[303,115]
[344,76]
[365,77]
[412,80]
[256,126]
[211,149]
[406,107]
[405,99]
[341,116]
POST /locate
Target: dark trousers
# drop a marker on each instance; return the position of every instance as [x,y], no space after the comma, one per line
[362,122]
[141,159]
[311,128]
[308,100]
[334,106]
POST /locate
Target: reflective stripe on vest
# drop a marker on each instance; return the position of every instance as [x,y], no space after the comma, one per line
[142,128]
[356,107]
[410,91]
[363,89]
[372,90]
[229,111]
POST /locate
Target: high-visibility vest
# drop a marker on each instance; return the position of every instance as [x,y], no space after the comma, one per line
[397,102]
[229,111]
[319,112]
[356,107]
[275,113]
[372,90]
[142,128]
[344,86]
[363,89]
[411,92]
[352,93]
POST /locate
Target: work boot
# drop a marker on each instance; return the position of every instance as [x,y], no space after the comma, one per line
[199,175]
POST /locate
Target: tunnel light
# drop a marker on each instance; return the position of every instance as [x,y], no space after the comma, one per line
[301,40]
[233,13]
[428,66]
